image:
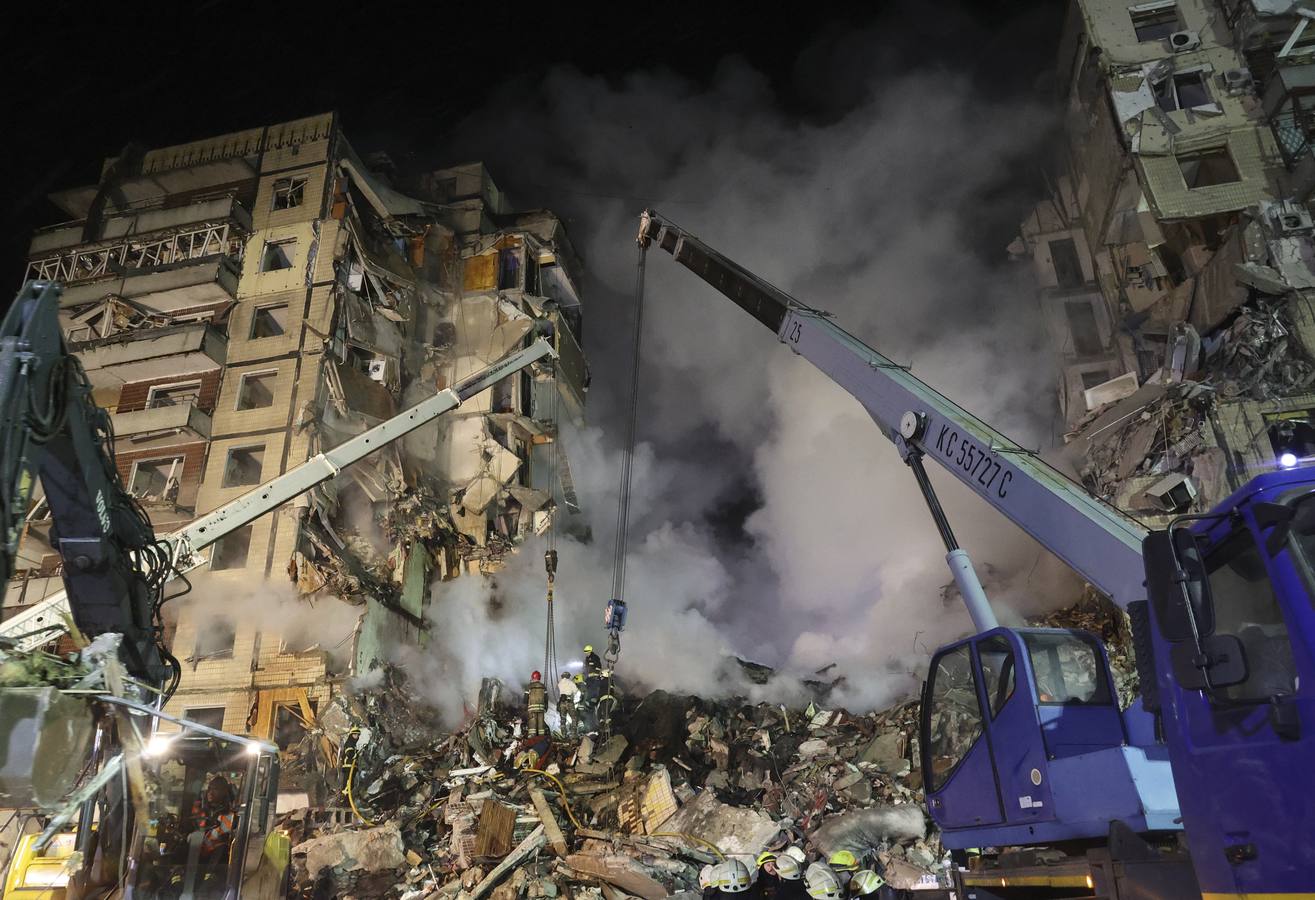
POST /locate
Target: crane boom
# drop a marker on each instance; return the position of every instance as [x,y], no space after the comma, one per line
[1099,542]
[28,629]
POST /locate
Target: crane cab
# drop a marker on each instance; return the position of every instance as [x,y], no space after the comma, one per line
[1019,725]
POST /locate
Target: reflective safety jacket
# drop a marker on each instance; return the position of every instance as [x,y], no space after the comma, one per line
[216,825]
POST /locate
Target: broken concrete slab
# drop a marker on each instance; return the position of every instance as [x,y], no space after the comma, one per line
[736,831]
[370,850]
[620,871]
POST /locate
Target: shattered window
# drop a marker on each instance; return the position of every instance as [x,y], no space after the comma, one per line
[1068,668]
[151,478]
[269,321]
[509,269]
[289,192]
[1186,90]
[1245,606]
[256,390]
[244,466]
[956,716]
[213,716]
[1208,168]
[997,659]
[278,255]
[289,727]
[1154,21]
[174,395]
[1064,257]
[231,550]
[214,639]
[1082,325]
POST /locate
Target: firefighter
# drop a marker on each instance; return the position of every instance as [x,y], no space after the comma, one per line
[593,692]
[731,877]
[213,815]
[768,882]
[591,661]
[790,880]
[864,882]
[821,882]
[567,693]
[606,705]
[844,864]
[536,704]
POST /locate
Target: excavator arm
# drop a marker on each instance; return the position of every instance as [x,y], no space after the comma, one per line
[1100,543]
[50,427]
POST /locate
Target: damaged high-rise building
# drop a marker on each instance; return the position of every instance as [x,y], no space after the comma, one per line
[1176,251]
[243,302]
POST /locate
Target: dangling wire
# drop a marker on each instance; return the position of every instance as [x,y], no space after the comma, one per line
[628,458]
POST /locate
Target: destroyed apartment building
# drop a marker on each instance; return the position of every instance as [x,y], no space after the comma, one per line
[1176,251]
[244,302]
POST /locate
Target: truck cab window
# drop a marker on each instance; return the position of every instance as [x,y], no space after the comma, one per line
[1245,606]
[956,716]
[997,659]
[1068,668]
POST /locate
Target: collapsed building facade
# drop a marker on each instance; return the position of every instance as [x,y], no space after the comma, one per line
[1176,251]
[244,302]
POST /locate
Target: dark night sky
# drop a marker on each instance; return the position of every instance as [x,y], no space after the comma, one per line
[81,85]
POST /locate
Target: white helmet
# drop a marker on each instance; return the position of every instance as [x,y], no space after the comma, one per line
[797,852]
[706,875]
[865,882]
[733,877]
[821,882]
[788,867]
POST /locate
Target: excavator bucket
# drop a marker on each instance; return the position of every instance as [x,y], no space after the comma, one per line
[44,739]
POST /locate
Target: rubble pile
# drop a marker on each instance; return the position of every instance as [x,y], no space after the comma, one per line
[1096,614]
[684,781]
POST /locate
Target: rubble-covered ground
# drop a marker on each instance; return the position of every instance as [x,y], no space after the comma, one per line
[683,780]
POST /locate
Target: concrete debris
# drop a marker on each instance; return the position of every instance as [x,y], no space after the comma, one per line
[683,782]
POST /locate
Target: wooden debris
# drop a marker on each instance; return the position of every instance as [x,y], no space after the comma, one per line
[497,822]
[556,839]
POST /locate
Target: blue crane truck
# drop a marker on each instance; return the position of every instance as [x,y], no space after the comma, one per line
[1041,785]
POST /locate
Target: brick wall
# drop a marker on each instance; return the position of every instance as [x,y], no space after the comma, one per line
[189,479]
[132,397]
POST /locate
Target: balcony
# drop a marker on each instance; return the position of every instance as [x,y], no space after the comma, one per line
[1289,103]
[177,422]
[142,224]
[150,186]
[181,285]
[150,353]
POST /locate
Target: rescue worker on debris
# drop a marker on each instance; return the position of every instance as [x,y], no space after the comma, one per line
[567,693]
[536,704]
[768,882]
[844,864]
[821,882]
[591,661]
[865,882]
[593,692]
[790,877]
[606,705]
[731,877]
[213,815]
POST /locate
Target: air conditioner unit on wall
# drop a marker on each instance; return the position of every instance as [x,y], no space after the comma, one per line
[1290,217]
[1184,40]
[1236,81]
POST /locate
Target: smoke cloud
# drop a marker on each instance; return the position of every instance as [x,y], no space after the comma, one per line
[771,518]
